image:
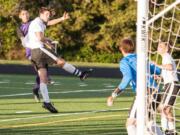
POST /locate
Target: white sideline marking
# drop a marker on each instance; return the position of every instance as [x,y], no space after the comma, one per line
[5,81]
[29,83]
[62,114]
[21,112]
[110,86]
[83,84]
[20,88]
[56,83]
[75,91]
[14,95]
[63,92]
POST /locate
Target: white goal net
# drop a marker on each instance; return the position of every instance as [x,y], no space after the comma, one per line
[159,23]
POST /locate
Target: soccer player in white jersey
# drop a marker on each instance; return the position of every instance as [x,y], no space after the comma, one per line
[171,87]
[42,56]
[22,30]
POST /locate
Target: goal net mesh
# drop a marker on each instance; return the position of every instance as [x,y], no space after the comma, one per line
[165,28]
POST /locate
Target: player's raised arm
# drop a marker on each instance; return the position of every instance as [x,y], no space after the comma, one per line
[165,66]
[58,20]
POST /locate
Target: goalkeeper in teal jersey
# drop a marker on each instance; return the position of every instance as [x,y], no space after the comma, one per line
[128,66]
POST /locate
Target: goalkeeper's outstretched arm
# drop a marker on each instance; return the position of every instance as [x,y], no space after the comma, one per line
[127,77]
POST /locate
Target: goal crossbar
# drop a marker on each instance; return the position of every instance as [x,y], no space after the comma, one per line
[163,12]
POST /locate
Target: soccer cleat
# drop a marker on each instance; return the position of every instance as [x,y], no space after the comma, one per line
[50,81]
[85,74]
[169,132]
[49,107]
[36,94]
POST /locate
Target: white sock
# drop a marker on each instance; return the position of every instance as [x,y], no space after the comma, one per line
[171,125]
[71,69]
[44,92]
[131,130]
[164,122]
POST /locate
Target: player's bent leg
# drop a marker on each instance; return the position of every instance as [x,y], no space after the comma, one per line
[73,70]
[52,58]
[170,119]
[169,99]
[164,121]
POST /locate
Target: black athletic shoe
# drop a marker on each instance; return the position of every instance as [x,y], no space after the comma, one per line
[36,94]
[85,74]
[49,107]
[169,132]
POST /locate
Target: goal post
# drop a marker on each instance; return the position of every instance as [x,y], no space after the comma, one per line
[142,42]
[147,19]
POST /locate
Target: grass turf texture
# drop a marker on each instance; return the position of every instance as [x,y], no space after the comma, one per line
[83,64]
[82,107]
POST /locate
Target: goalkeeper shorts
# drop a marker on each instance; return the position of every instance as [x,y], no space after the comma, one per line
[171,91]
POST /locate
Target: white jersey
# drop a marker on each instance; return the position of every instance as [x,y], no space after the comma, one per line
[31,41]
[169,76]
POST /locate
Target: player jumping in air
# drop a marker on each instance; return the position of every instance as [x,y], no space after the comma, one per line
[42,56]
[171,88]
[22,30]
[128,66]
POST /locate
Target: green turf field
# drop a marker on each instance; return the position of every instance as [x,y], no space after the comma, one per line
[82,107]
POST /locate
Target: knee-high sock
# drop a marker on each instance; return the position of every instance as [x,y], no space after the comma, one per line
[171,125]
[71,69]
[44,92]
[131,129]
[164,122]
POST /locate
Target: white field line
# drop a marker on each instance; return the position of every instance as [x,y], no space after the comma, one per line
[110,86]
[62,92]
[22,112]
[61,114]
[20,88]
[16,95]
[83,85]
[5,81]
[57,83]
[74,91]
[29,83]
[124,133]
